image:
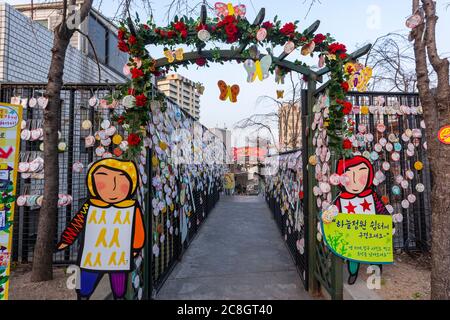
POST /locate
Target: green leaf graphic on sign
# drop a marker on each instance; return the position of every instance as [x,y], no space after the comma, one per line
[361,238]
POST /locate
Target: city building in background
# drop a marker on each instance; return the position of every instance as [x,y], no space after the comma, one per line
[25,45]
[183,91]
[225,135]
[101,31]
[289,127]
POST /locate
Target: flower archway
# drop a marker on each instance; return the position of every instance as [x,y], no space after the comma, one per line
[231,27]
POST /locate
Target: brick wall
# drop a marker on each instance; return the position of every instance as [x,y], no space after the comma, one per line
[25,53]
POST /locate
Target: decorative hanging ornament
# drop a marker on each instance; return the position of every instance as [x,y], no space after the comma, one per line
[227,9]
[228,92]
[308,48]
[289,46]
[280,94]
[204,35]
[444,135]
[128,101]
[261,35]
[413,21]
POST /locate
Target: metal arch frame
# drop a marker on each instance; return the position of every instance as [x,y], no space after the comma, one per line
[336,282]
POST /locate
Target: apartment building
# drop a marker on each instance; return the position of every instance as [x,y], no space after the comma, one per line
[183,92]
[26,39]
[289,127]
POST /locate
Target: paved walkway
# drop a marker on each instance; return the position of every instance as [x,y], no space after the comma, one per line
[238,254]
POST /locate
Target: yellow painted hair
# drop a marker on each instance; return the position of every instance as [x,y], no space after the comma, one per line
[128,167]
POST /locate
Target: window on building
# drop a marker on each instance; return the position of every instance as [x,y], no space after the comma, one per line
[43,22]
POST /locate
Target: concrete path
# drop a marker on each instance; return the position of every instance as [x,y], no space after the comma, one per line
[238,254]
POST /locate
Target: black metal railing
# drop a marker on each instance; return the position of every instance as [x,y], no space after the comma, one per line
[284,196]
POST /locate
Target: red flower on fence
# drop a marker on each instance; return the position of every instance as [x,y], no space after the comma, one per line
[200,61]
[337,47]
[268,25]
[347,144]
[132,40]
[133,139]
[136,73]
[319,38]
[345,86]
[123,46]
[288,29]
[141,100]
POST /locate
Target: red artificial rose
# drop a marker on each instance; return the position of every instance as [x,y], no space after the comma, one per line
[347,109]
[133,139]
[171,34]
[123,46]
[179,26]
[201,26]
[132,40]
[232,38]
[319,38]
[267,25]
[343,56]
[120,120]
[301,195]
[136,73]
[200,61]
[347,144]
[231,29]
[131,92]
[337,47]
[141,100]
[288,29]
[163,33]
[121,34]
[345,86]
[184,34]
[146,27]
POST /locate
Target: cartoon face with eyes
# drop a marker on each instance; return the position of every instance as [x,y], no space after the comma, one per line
[358,178]
[111,186]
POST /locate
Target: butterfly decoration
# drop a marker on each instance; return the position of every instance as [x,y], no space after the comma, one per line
[228,92]
[172,55]
[200,88]
[227,9]
[258,68]
[280,94]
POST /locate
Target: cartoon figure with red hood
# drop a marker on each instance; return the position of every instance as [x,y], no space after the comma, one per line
[357,196]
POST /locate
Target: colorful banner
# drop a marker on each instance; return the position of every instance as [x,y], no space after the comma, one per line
[365,238]
[249,152]
[10,120]
[229,181]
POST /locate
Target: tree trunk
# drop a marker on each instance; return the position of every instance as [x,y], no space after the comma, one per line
[436,107]
[46,233]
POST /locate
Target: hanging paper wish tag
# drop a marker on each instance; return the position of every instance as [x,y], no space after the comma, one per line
[363,238]
[444,135]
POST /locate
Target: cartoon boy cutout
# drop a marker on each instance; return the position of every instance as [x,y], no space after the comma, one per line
[111,227]
[357,196]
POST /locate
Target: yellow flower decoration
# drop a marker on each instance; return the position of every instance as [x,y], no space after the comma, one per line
[418,165]
[364,110]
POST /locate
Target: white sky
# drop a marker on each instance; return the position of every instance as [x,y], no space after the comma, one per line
[352,22]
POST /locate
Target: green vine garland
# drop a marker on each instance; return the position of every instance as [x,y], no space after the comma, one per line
[235,31]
